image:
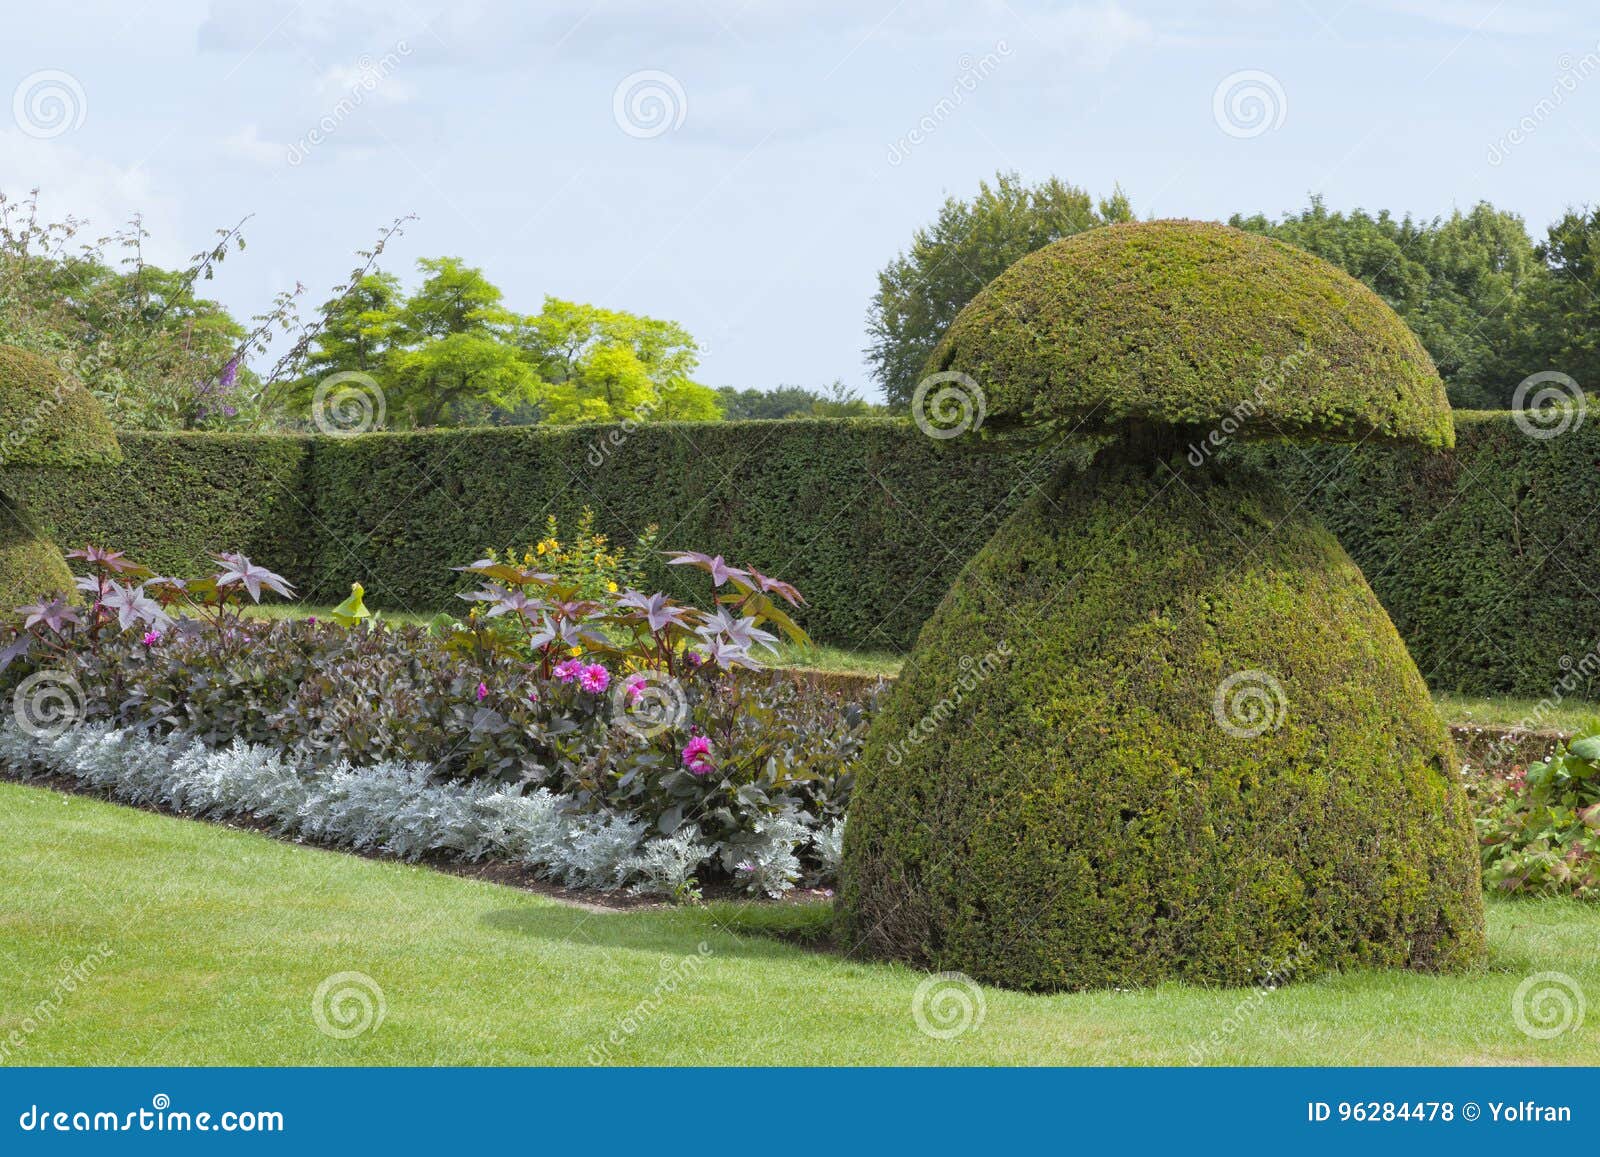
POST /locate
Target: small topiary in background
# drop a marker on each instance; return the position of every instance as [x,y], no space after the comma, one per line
[49,420]
[1160,728]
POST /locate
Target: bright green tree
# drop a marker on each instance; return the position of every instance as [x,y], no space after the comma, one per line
[361,327]
[451,380]
[604,365]
[452,359]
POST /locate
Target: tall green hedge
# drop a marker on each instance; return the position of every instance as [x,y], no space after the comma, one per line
[1482,557]
[176,496]
[868,517]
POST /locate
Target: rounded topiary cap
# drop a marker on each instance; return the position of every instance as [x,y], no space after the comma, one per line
[47,418]
[1191,323]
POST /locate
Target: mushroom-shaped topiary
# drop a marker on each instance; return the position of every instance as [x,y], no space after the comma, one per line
[46,419]
[1160,728]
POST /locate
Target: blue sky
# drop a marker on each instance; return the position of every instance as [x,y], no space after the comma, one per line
[745,168]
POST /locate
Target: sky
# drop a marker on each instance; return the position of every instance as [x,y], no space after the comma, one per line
[745,167]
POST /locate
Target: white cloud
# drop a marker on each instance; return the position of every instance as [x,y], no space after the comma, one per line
[373,78]
[99,193]
[248,145]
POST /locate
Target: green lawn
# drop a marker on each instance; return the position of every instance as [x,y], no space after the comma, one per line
[219,940]
[1530,714]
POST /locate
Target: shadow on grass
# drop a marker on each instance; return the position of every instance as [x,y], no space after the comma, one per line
[754,929]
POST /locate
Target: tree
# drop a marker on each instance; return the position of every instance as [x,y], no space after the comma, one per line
[452,379]
[968,245]
[604,365]
[1557,326]
[1455,281]
[837,401]
[154,352]
[360,328]
[451,357]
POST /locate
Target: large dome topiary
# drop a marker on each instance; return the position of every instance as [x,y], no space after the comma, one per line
[46,419]
[1192,323]
[1160,728]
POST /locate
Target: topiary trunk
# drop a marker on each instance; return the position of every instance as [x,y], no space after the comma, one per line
[1199,752]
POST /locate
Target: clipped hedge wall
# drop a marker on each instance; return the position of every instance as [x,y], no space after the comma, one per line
[868,517]
[1482,557]
[176,496]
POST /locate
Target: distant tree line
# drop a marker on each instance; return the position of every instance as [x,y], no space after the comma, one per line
[1487,301]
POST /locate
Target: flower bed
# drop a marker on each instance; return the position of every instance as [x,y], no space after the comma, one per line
[603,740]
[1539,828]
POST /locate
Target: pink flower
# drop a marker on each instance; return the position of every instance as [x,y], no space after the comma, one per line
[594,678]
[635,687]
[697,756]
[569,670]
[483,692]
[311,620]
[694,658]
[533,696]
[151,638]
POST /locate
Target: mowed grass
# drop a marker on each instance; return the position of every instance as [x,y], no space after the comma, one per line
[1568,715]
[219,939]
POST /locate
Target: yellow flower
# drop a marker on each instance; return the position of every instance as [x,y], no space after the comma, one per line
[574,651]
[540,548]
[612,587]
